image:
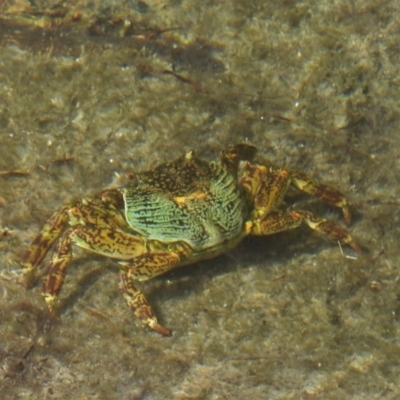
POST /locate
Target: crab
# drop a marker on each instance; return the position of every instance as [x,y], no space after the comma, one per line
[177,214]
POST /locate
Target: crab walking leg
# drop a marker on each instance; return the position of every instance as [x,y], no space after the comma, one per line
[105,241]
[138,303]
[322,192]
[150,265]
[108,242]
[282,221]
[142,268]
[54,276]
[96,212]
[268,186]
[35,253]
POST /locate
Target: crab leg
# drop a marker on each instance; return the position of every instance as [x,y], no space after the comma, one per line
[282,221]
[139,265]
[143,268]
[96,212]
[322,192]
[139,305]
[108,242]
[269,187]
[54,276]
[102,240]
[150,265]
[43,241]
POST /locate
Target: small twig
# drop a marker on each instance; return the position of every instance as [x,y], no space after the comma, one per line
[195,85]
[64,160]
[6,174]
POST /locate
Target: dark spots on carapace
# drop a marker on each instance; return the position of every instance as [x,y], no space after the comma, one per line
[179,177]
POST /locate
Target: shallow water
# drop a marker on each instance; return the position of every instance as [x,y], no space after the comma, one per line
[91,95]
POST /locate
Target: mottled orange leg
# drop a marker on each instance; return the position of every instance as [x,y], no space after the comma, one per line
[108,241]
[41,244]
[322,192]
[54,277]
[138,303]
[96,212]
[150,265]
[282,221]
[142,268]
